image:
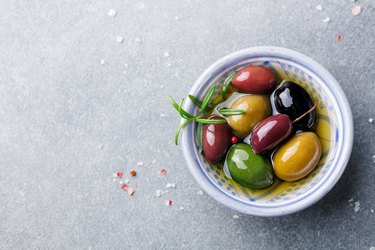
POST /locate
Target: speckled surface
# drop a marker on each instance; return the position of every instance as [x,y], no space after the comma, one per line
[76,106]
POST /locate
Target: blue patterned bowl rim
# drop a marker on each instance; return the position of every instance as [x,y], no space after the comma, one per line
[344,122]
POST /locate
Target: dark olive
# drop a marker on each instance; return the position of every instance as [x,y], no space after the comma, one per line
[254,80]
[292,100]
[270,132]
[216,139]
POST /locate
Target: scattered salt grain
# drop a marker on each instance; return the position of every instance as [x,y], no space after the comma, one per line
[126,181]
[114,175]
[372,248]
[177,18]
[372,210]
[162,115]
[351,199]
[159,193]
[131,191]
[153,161]
[181,208]
[373,156]
[326,20]
[112,13]
[137,40]
[102,61]
[170,185]
[163,171]
[101,146]
[166,54]
[119,39]
[371,120]
[124,186]
[356,10]
[200,192]
[236,216]
[161,86]
[319,7]
[356,206]
[169,65]
[168,202]
[140,164]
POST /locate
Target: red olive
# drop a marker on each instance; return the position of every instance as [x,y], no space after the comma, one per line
[216,139]
[270,132]
[254,79]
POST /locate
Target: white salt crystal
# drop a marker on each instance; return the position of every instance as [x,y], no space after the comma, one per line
[166,54]
[138,40]
[356,10]
[162,115]
[326,20]
[177,18]
[236,216]
[140,164]
[112,13]
[102,61]
[119,39]
[200,192]
[181,208]
[371,120]
[159,193]
[169,65]
[170,185]
[356,206]
[319,7]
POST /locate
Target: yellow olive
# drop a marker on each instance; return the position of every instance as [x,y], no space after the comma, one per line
[297,157]
[257,108]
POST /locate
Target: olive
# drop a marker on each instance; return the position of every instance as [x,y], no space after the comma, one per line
[216,139]
[293,100]
[247,168]
[255,80]
[297,157]
[256,107]
[270,132]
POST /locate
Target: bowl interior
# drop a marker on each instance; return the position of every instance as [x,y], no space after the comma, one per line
[280,192]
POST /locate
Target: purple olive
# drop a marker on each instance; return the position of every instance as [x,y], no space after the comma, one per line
[270,132]
[216,139]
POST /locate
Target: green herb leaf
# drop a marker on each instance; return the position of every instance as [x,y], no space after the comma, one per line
[227,81]
[229,112]
[179,130]
[179,109]
[207,99]
[196,101]
[199,137]
[208,121]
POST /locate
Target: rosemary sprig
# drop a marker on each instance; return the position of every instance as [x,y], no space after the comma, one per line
[208,121]
[196,101]
[179,130]
[227,81]
[229,112]
[188,117]
[179,108]
[207,99]
[199,132]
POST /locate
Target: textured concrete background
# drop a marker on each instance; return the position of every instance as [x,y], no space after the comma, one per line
[76,106]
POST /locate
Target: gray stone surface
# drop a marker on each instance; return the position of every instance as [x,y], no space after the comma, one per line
[68,122]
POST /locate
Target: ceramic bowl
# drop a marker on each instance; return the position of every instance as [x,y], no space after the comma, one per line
[334,128]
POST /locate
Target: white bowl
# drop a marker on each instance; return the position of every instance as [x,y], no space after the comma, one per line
[334,127]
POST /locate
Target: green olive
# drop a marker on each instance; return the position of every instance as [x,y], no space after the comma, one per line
[257,108]
[247,168]
[297,157]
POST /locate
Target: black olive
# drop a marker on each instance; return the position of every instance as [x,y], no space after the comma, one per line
[293,100]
